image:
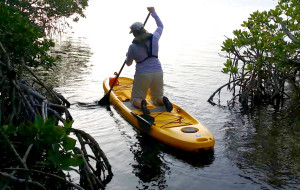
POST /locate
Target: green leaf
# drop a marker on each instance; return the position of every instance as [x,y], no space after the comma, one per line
[249,68]
[38,122]
[9,129]
[65,160]
[68,125]
[228,63]
[12,129]
[225,70]
[27,130]
[4,128]
[48,126]
[69,143]
[234,69]
[53,157]
[59,132]
[76,160]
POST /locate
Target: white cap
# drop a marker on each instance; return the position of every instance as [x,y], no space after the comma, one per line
[137,26]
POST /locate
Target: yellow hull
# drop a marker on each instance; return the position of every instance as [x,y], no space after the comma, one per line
[177,128]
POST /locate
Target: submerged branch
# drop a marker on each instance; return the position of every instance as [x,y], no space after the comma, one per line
[210,100]
[102,163]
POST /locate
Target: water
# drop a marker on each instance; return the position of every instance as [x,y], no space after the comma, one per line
[259,150]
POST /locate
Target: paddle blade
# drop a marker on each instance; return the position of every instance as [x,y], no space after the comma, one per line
[104,101]
[145,121]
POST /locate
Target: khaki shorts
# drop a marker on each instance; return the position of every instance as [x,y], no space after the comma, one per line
[143,82]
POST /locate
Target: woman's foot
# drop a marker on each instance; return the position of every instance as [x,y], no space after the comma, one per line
[167,103]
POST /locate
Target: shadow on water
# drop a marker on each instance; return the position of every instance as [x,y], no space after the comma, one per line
[264,144]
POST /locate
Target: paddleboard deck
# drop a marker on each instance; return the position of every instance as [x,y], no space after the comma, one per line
[176,128]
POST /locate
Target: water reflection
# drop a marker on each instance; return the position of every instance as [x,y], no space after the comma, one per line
[265,145]
[72,63]
[197,160]
[149,167]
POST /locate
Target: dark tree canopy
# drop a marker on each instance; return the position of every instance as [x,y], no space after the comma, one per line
[26,27]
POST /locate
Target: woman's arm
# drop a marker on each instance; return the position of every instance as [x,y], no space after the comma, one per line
[159,24]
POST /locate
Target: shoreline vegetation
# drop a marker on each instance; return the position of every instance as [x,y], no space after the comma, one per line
[35,124]
[263,59]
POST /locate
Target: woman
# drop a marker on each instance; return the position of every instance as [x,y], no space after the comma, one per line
[148,74]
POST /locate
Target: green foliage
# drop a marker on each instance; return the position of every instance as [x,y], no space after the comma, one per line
[229,67]
[265,53]
[48,139]
[25,28]
[23,39]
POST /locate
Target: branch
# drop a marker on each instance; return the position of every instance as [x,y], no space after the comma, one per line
[49,174]
[14,151]
[89,173]
[27,153]
[68,115]
[44,110]
[210,100]
[22,180]
[26,102]
[102,163]
[32,92]
[289,34]
[54,97]
[57,115]
[98,152]
[6,56]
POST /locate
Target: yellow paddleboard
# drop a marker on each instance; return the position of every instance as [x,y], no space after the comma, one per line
[176,128]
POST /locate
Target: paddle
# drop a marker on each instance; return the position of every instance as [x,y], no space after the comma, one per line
[105,100]
[144,121]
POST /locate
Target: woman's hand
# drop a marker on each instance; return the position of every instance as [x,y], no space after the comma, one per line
[151,9]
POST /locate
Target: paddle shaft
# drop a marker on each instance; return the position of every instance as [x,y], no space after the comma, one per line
[118,74]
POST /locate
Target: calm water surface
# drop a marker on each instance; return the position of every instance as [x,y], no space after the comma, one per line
[253,151]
